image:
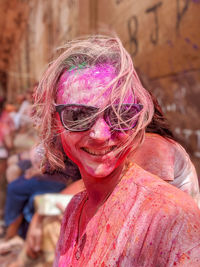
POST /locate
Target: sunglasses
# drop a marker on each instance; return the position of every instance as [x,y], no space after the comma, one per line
[79,118]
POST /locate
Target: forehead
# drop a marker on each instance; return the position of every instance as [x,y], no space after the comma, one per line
[85,86]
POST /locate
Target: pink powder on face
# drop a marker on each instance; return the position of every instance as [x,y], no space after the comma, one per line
[81,86]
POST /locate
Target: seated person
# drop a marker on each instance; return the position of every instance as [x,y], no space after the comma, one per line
[6,145]
[173,166]
[19,207]
[17,164]
[94,103]
[43,234]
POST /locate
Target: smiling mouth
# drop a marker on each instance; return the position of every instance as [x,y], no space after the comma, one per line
[98,153]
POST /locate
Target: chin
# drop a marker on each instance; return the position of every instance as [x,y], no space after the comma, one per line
[100,170]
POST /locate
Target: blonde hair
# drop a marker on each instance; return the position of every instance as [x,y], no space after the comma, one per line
[90,51]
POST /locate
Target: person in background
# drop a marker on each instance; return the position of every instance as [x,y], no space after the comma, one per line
[23,115]
[19,207]
[43,233]
[6,144]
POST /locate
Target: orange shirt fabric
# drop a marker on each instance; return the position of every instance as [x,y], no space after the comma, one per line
[145,222]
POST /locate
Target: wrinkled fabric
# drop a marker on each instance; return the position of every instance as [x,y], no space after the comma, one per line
[168,160]
[144,223]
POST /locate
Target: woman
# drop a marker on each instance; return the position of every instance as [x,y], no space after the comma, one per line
[91,100]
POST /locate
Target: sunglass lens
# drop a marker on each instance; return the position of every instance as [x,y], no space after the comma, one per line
[77,118]
[123,118]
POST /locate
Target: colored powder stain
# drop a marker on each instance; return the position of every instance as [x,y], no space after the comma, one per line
[187,40]
[114,247]
[76,87]
[195,46]
[107,227]
[80,66]
[150,243]
[169,42]
[137,239]
[196,1]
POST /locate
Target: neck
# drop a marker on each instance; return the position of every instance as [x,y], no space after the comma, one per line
[99,189]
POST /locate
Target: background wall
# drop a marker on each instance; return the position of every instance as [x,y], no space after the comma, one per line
[161,35]
[47,27]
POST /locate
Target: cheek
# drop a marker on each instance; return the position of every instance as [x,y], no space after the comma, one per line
[65,144]
[67,139]
[69,144]
[121,137]
[69,148]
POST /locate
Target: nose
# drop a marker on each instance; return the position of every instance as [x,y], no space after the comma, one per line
[100,131]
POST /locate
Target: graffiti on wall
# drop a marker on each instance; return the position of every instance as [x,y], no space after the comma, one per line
[153,10]
[132,25]
[181,12]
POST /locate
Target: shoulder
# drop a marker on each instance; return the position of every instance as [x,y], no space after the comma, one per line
[75,203]
[163,157]
[160,190]
[72,209]
[69,220]
[171,146]
[164,208]
[176,210]
[156,155]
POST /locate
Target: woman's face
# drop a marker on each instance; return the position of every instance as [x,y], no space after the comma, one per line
[94,150]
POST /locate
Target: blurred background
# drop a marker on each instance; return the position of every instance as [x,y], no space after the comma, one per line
[161,35]
[163,38]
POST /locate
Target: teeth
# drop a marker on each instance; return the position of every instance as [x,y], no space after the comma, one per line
[94,152]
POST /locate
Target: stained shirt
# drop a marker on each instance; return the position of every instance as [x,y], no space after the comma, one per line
[145,222]
[168,160]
